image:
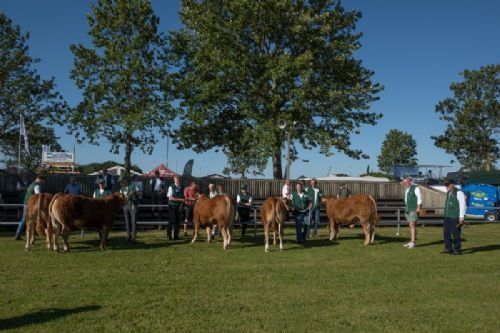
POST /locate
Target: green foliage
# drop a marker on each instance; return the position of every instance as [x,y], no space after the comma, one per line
[473,117]
[22,91]
[160,286]
[123,77]
[98,166]
[244,65]
[398,149]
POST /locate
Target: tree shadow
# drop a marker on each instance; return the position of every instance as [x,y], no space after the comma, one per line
[43,316]
[121,243]
[486,248]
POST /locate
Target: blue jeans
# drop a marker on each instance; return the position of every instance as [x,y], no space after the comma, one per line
[20,227]
[301,225]
[314,221]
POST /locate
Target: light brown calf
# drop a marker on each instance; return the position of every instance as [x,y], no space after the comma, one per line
[37,214]
[274,212]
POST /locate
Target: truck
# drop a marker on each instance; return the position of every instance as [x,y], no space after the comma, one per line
[482,201]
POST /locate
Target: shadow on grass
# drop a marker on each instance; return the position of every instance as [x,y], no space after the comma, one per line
[42,316]
[121,243]
[486,248]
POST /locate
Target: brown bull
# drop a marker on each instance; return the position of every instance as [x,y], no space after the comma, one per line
[69,211]
[37,214]
[349,210]
[274,212]
[219,211]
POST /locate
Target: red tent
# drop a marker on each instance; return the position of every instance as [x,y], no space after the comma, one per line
[164,172]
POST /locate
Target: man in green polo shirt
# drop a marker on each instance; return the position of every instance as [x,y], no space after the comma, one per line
[454,215]
[301,206]
[413,204]
[131,194]
[33,188]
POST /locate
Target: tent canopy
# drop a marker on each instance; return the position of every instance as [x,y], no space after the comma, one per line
[164,172]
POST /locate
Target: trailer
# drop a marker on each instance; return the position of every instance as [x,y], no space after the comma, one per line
[482,201]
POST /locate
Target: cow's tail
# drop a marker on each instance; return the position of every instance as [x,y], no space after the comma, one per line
[39,219]
[376,218]
[51,215]
[280,218]
[230,210]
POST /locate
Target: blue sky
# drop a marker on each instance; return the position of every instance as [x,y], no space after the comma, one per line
[415,47]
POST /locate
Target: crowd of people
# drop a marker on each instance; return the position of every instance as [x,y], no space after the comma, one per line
[306,202]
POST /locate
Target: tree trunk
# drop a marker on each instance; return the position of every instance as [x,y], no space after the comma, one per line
[128,154]
[277,174]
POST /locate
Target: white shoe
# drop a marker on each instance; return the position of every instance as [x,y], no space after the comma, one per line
[407,244]
[411,245]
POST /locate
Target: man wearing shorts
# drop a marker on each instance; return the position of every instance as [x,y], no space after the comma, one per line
[413,204]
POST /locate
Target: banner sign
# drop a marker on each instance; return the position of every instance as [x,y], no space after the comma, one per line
[50,157]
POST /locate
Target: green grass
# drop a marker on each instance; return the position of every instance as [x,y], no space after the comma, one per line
[160,286]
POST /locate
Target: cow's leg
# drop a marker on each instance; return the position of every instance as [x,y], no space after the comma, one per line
[228,228]
[332,228]
[366,229]
[223,231]
[275,226]
[266,236]
[209,233]
[337,231]
[48,239]
[65,234]
[57,230]
[372,231]
[196,228]
[280,231]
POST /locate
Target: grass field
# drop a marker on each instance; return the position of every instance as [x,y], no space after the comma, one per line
[160,286]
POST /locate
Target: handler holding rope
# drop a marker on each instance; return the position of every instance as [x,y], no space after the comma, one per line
[301,206]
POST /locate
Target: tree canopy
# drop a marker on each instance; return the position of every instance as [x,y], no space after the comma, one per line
[24,92]
[398,149]
[244,65]
[123,77]
[473,117]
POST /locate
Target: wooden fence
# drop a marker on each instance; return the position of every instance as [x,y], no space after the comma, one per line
[259,188]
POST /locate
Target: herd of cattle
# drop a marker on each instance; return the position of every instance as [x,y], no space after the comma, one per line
[55,215]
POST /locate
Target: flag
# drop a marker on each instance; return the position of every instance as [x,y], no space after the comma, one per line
[22,132]
[188,168]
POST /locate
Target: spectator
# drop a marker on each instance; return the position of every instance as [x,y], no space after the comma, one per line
[343,192]
[315,195]
[108,180]
[413,204]
[287,190]
[157,188]
[73,187]
[21,187]
[244,203]
[212,192]
[101,192]
[220,189]
[175,196]
[190,196]
[301,206]
[454,218]
[34,188]
[131,194]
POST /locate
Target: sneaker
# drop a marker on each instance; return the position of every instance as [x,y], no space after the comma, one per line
[411,245]
[407,244]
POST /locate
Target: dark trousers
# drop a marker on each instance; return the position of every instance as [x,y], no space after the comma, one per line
[188,213]
[157,200]
[301,225]
[130,213]
[244,213]
[174,218]
[314,221]
[450,229]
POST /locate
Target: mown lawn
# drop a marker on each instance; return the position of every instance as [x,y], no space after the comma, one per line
[160,286]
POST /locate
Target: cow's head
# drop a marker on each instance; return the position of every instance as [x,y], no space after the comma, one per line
[288,203]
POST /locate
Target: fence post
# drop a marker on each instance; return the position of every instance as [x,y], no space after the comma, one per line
[254,222]
[399,221]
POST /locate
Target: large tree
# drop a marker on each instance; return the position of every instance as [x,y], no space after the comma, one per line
[473,116]
[244,65]
[123,77]
[23,92]
[398,149]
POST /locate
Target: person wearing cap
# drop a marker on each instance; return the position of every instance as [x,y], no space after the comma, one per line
[108,179]
[286,191]
[454,218]
[343,192]
[175,196]
[315,194]
[212,192]
[190,196]
[33,188]
[244,202]
[301,206]
[131,194]
[101,192]
[413,205]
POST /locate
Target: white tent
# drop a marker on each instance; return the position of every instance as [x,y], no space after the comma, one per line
[117,170]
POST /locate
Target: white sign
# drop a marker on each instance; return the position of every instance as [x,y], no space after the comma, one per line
[49,157]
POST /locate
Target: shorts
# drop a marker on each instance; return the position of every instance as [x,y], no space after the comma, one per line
[411,216]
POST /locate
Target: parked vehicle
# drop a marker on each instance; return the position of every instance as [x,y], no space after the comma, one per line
[482,200]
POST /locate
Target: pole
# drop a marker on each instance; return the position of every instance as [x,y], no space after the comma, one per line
[167,150]
[289,138]
[19,155]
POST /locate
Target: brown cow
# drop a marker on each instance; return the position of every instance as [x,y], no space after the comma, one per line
[37,212]
[68,211]
[218,210]
[274,211]
[348,210]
